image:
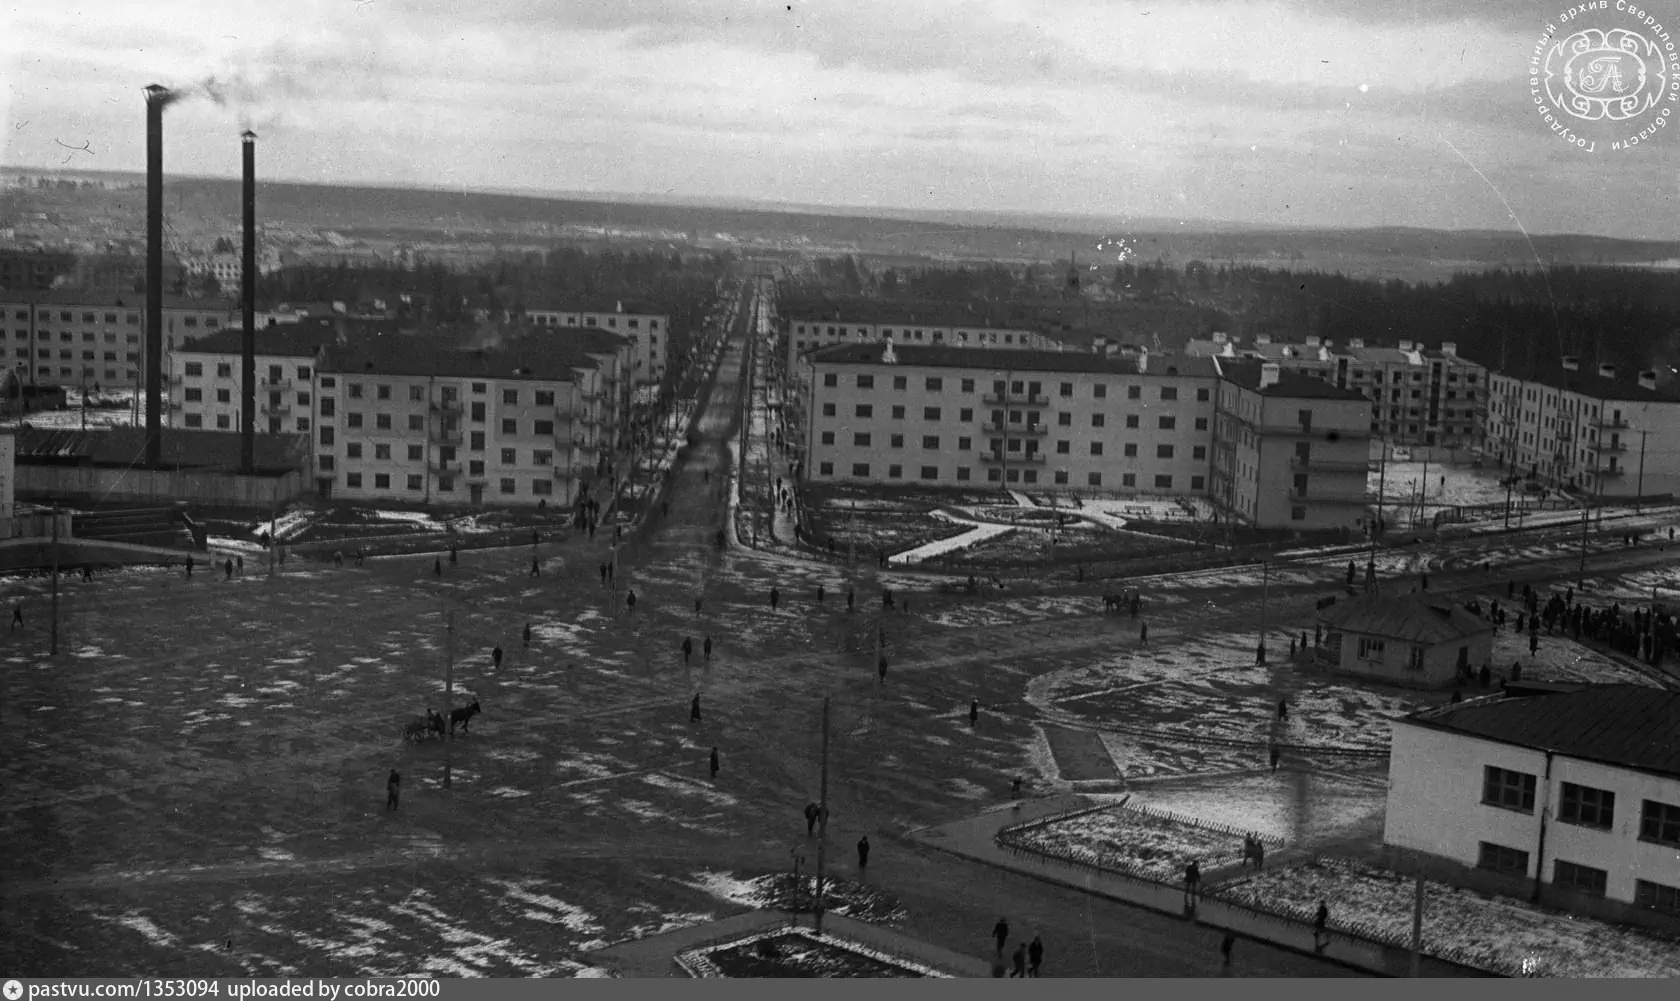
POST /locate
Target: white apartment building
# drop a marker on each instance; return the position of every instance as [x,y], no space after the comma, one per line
[944,416]
[405,421]
[229,269]
[1570,794]
[1418,396]
[1289,450]
[650,333]
[804,332]
[65,338]
[205,380]
[1594,432]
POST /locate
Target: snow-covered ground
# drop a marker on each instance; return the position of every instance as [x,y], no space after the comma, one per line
[1133,841]
[1495,933]
[962,540]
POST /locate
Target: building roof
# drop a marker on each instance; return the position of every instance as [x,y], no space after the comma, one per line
[545,361]
[182,447]
[1628,725]
[1290,384]
[608,307]
[111,299]
[288,340]
[1011,359]
[1413,618]
[1598,387]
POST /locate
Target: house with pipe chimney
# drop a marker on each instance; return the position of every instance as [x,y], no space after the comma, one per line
[1592,430]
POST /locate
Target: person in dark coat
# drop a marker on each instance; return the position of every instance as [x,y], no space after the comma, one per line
[973,712]
[496,656]
[1274,755]
[708,648]
[536,567]
[603,573]
[863,853]
[687,649]
[437,568]
[714,762]
[17,616]
[851,601]
[697,603]
[1000,931]
[527,635]
[630,602]
[393,788]
[1018,962]
[881,669]
[1143,634]
[189,566]
[1321,934]
[1225,947]
[1035,956]
[811,813]
[694,709]
[819,594]
[1192,880]
[775,598]
[1283,709]
[227,569]
[1015,788]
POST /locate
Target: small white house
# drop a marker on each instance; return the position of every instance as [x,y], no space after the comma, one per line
[1407,639]
[1566,795]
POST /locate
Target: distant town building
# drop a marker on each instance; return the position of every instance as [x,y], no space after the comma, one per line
[1418,396]
[1598,433]
[1410,640]
[1567,794]
[650,331]
[23,270]
[75,338]
[229,269]
[1289,450]
[205,380]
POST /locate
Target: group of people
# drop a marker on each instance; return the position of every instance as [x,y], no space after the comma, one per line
[1027,958]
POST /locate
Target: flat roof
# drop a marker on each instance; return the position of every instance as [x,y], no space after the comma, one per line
[1591,384]
[387,354]
[288,340]
[1012,360]
[1290,384]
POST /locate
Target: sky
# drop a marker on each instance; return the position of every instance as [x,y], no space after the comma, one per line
[1325,113]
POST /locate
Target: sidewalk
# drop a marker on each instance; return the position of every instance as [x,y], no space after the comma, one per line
[972,838]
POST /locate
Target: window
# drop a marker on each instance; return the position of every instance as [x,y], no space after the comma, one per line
[1198,452]
[930,413]
[197,421]
[860,439]
[324,463]
[1062,448]
[1134,392]
[475,441]
[830,380]
[866,382]
[1064,419]
[477,410]
[1579,877]
[1587,806]
[415,481]
[1099,391]
[510,397]
[897,441]
[1659,822]
[1163,451]
[1201,396]
[475,467]
[1198,483]
[1201,424]
[864,410]
[1414,657]
[1096,420]
[543,428]
[416,453]
[194,369]
[353,420]
[353,450]
[934,384]
[416,394]
[224,396]
[967,387]
[1067,389]
[382,392]
[828,410]
[1370,649]
[1656,896]
[860,469]
[195,396]
[416,422]
[1132,420]
[825,469]
[828,437]
[1507,789]
[1502,859]
[1163,482]
[1096,448]
[962,473]
[965,444]
[545,397]
[898,413]
[895,472]
[930,442]
[326,435]
[901,382]
[1167,423]
[382,481]
[382,421]
[1093,479]
[510,457]
[542,457]
[965,414]
[353,480]
[355,390]
[382,452]
[1169,392]
[1131,450]
[510,426]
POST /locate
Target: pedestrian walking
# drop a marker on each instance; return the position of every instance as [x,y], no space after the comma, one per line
[863,853]
[239,565]
[1225,948]
[687,649]
[1143,634]
[1274,756]
[630,602]
[819,594]
[694,709]
[1192,881]
[881,669]
[361,554]
[1018,962]
[973,712]
[1321,934]
[496,656]
[393,789]
[338,559]
[17,616]
[1000,931]
[811,812]
[714,763]
[775,598]
[697,601]
[603,569]
[454,557]
[708,648]
[851,601]
[527,636]
[227,569]
[189,566]
[437,568]
[1283,709]
[999,968]
[1015,788]
[536,537]
[1533,643]
[536,567]
[1035,957]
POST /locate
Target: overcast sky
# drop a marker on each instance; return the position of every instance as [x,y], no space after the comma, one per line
[1331,112]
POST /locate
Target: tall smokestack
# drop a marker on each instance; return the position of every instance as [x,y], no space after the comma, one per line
[248,363]
[157,98]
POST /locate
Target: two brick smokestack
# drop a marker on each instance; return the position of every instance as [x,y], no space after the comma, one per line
[248,362]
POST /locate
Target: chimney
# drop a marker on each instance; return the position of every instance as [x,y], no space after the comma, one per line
[157,98]
[1263,339]
[1607,370]
[1220,337]
[1356,344]
[1312,342]
[1269,373]
[248,360]
[1405,345]
[1449,348]
[1571,363]
[1648,379]
[1097,345]
[887,356]
[620,306]
[1143,362]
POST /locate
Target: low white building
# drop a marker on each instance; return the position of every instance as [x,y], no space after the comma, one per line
[204,380]
[1567,795]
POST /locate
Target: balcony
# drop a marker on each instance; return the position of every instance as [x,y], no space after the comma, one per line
[174,404]
[444,436]
[1297,494]
[275,409]
[1017,430]
[477,476]
[445,468]
[447,407]
[281,384]
[1014,458]
[1613,445]
[1610,423]
[1610,472]
[1330,465]
[1021,399]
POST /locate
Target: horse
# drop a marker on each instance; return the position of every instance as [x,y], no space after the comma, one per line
[463,716]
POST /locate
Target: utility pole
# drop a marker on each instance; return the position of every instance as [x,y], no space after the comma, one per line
[1581,577]
[1417,923]
[1423,490]
[448,690]
[54,650]
[1265,593]
[1639,490]
[822,820]
[1382,484]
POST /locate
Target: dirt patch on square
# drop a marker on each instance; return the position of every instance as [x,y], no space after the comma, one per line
[1081,756]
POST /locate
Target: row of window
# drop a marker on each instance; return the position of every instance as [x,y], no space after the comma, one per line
[1578,804]
[66,316]
[224,422]
[1583,878]
[936,384]
[224,370]
[861,470]
[416,482]
[552,320]
[931,442]
[67,355]
[111,374]
[1026,419]
[446,455]
[417,422]
[66,337]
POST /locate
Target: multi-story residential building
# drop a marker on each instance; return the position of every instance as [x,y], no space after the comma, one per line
[1289,450]
[33,270]
[1418,396]
[650,332]
[205,379]
[1571,796]
[69,338]
[407,421]
[229,268]
[944,415]
[1593,432]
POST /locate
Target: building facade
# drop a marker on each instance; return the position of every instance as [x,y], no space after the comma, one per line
[1289,450]
[1418,396]
[650,333]
[1405,639]
[1593,432]
[205,378]
[1573,796]
[948,416]
[76,339]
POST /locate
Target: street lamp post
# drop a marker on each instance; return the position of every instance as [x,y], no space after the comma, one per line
[1265,594]
[1639,489]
